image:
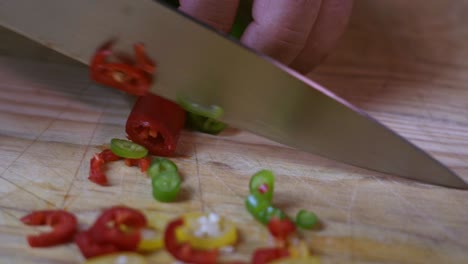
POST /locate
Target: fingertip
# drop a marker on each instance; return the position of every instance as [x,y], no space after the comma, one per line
[280,28]
[219,14]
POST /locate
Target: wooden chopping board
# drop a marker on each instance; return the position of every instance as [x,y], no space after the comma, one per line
[404,62]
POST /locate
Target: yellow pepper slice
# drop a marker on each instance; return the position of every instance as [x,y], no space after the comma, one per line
[299,254]
[120,258]
[299,250]
[226,235]
[151,240]
[152,236]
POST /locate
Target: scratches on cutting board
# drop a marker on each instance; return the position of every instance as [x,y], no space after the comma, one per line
[200,190]
[93,133]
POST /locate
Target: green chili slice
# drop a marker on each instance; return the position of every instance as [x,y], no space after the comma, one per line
[263,184]
[127,149]
[306,219]
[160,165]
[261,209]
[205,124]
[212,111]
[166,186]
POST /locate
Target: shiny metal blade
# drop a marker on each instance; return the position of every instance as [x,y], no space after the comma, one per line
[206,67]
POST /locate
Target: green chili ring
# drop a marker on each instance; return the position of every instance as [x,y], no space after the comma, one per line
[306,219]
[160,165]
[263,184]
[166,186]
[212,111]
[127,149]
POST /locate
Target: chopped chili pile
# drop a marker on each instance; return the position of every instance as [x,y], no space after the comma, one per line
[133,77]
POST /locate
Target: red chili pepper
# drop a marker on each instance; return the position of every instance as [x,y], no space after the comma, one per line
[64,226]
[266,255]
[143,163]
[156,123]
[184,251]
[281,228]
[119,226]
[97,166]
[134,78]
[90,248]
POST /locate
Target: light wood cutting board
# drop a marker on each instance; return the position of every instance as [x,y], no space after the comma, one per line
[405,62]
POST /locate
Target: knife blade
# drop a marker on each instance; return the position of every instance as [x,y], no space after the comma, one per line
[207,67]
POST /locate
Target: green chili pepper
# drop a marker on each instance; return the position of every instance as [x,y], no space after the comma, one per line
[160,165]
[212,111]
[263,184]
[243,18]
[205,124]
[306,219]
[261,209]
[127,149]
[166,186]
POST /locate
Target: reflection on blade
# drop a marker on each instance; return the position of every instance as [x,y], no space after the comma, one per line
[256,93]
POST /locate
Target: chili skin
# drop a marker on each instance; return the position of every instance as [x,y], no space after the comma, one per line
[97,166]
[132,77]
[266,255]
[183,251]
[64,226]
[142,163]
[281,228]
[90,248]
[155,123]
[107,228]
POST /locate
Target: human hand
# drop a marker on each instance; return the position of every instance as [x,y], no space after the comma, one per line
[298,33]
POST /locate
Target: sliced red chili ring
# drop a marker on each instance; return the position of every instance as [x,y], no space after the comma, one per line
[155,123]
[97,166]
[119,226]
[132,78]
[64,226]
[183,251]
[142,60]
[266,255]
[281,228]
[143,163]
[90,248]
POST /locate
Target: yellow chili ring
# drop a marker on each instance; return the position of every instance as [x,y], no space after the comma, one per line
[151,240]
[187,233]
[152,236]
[299,250]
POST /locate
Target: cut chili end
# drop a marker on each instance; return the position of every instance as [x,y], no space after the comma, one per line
[153,137]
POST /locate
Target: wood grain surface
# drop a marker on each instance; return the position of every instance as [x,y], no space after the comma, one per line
[405,62]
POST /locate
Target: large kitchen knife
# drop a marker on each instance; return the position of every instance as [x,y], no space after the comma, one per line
[207,67]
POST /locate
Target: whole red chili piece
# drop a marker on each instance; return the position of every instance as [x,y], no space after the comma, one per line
[266,255]
[184,251]
[90,248]
[64,226]
[156,124]
[281,228]
[119,226]
[97,166]
[132,77]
